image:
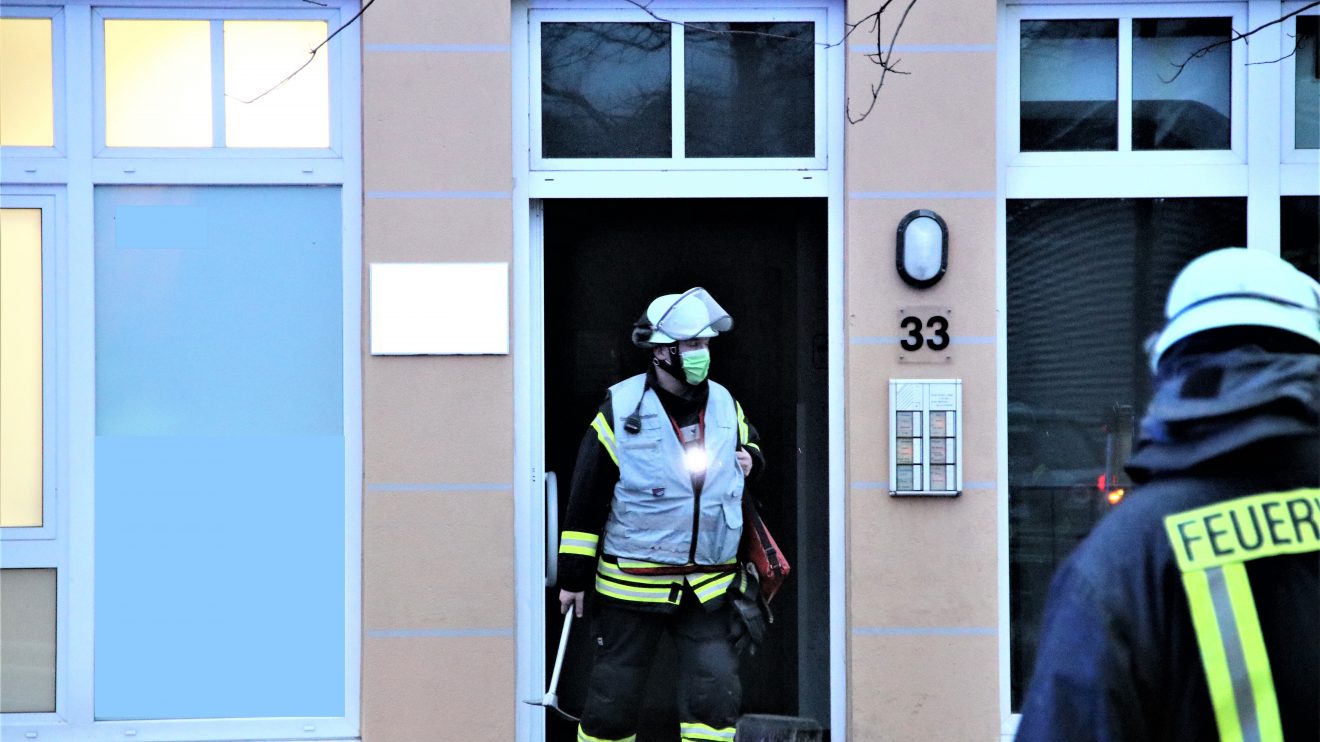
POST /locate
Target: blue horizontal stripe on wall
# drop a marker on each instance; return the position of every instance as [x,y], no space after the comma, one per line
[977,484]
[925,631]
[894,339]
[440,487]
[914,195]
[438,633]
[457,195]
[438,48]
[926,48]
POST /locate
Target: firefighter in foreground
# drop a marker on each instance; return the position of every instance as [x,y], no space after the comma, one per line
[655,515]
[1192,612]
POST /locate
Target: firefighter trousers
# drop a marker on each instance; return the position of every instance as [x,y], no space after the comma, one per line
[709,691]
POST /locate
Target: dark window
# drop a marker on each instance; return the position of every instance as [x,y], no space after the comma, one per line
[750,89]
[1069,85]
[1307,61]
[605,90]
[1181,89]
[1087,280]
[1299,233]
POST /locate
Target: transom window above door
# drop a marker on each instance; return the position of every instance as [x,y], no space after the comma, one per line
[1140,79]
[677,90]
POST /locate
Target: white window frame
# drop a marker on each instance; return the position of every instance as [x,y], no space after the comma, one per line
[216,17]
[688,13]
[66,176]
[1124,14]
[44,547]
[531,187]
[1266,169]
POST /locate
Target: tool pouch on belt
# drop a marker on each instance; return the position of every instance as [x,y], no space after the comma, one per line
[750,614]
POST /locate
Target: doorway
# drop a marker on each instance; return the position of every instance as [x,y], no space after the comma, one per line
[765,261]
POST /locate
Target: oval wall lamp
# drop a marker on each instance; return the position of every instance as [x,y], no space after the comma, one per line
[922,256]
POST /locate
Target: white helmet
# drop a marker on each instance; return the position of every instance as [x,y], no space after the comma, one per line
[1237,287]
[674,317]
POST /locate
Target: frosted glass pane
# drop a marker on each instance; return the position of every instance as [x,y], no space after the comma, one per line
[20,367]
[1069,85]
[27,640]
[157,83]
[258,55]
[27,98]
[1307,132]
[1191,110]
[219,519]
[605,90]
[750,89]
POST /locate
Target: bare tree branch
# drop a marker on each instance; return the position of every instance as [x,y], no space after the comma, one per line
[1235,37]
[883,56]
[311,56]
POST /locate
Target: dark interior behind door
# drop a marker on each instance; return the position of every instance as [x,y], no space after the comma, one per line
[765,262]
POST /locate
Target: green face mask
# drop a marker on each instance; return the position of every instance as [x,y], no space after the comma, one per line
[696,364]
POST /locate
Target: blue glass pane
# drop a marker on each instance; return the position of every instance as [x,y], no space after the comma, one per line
[1185,107]
[219,453]
[1069,85]
[605,90]
[1307,131]
[750,89]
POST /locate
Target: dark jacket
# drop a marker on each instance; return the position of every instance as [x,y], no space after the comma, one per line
[1118,657]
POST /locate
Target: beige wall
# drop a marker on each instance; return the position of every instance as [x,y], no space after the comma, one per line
[922,586]
[438,602]
[438,526]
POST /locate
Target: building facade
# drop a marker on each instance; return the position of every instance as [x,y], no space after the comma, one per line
[307,306]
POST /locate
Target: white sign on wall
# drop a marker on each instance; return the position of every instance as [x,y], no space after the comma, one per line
[439,308]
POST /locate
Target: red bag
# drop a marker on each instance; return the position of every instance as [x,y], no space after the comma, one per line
[758,547]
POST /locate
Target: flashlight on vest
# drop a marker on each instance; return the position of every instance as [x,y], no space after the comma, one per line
[695,459]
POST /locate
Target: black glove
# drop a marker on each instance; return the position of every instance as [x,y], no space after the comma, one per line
[750,614]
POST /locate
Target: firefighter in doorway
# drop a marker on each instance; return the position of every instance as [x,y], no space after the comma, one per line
[655,514]
[1192,612]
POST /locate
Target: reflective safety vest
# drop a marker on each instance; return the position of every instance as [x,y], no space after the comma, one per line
[1213,545]
[656,513]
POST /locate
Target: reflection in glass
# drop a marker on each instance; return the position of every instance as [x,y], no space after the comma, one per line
[1087,280]
[20,368]
[27,97]
[1308,83]
[750,89]
[258,55]
[1300,233]
[27,640]
[1069,85]
[605,90]
[1181,107]
[157,83]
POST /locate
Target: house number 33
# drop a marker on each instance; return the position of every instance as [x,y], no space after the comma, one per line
[932,333]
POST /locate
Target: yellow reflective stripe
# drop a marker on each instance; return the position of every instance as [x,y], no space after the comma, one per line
[704,733]
[632,593]
[1246,528]
[751,445]
[606,436]
[1213,659]
[743,435]
[712,589]
[1257,660]
[578,542]
[612,571]
[584,737]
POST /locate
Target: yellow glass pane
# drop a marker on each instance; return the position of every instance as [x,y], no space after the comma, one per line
[157,83]
[27,640]
[27,97]
[20,367]
[260,54]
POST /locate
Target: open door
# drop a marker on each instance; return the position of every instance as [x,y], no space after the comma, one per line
[765,261]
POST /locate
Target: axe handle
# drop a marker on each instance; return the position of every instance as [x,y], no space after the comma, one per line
[559,656]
